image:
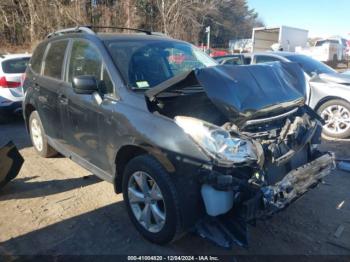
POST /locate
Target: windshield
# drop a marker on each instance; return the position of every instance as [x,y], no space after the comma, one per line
[311,66]
[145,64]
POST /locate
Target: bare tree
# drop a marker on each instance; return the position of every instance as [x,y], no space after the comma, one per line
[184,18]
[25,22]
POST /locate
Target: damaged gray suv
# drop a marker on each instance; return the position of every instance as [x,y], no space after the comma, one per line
[191,145]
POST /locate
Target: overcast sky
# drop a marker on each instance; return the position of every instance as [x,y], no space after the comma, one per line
[321,17]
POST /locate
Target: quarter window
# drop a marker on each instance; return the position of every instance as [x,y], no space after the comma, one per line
[106,83]
[85,60]
[37,58]
[54,59]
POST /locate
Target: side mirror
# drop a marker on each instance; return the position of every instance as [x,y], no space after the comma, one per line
[85,85]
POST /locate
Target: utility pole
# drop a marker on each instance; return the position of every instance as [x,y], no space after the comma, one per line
[93,4]
[128,12]
[207,30]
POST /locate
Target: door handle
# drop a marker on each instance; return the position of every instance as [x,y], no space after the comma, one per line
[63,99]
[36,87]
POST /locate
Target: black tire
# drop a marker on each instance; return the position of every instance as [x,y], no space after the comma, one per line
[335,102]
[172,228]
[46,150]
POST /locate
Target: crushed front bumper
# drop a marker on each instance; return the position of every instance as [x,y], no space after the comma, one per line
[274,198]
[297,182]
[231,228]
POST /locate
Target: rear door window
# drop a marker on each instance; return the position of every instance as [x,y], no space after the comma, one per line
[54,59]
[15,66]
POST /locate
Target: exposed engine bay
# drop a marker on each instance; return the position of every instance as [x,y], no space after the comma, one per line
[282,145]
[261,138]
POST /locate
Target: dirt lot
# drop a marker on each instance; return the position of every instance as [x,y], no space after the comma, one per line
[56,207]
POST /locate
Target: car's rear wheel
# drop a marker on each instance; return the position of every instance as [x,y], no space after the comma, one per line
[151,200]
[38,136]
[336,114]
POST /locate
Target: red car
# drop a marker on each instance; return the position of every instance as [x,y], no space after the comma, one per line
[177,59]
[214,53]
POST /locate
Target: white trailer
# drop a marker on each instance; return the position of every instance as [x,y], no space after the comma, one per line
[287,38]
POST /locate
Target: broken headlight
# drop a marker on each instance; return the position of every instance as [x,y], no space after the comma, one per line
[217,142]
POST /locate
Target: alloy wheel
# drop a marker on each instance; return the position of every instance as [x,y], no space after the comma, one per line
[36,134]
[146,201]
[337,119]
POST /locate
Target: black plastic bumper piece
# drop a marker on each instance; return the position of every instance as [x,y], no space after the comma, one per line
[10,163]
[224,231]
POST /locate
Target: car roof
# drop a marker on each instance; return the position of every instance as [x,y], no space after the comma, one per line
[116,36]
[139,37]
[283,54]
[275,53]
[88,32]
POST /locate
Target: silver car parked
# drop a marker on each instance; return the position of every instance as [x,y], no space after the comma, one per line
[329,92]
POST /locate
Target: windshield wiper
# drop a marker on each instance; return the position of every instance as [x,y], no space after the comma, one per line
[139,88]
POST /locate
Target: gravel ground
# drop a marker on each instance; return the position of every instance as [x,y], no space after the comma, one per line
[56,207]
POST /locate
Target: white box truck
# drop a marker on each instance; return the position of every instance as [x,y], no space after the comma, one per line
[285,37]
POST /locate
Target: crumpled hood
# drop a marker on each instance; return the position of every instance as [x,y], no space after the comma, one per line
[336,78]
[243,92]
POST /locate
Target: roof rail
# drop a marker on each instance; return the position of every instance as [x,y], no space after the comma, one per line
[147,32]
[159,34]
[77,29]
[89,30]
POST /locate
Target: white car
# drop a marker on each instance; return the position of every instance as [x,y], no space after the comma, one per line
[12,68]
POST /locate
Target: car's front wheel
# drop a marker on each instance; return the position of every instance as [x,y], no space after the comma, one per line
[336,114]
[151,199]
[38,136]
